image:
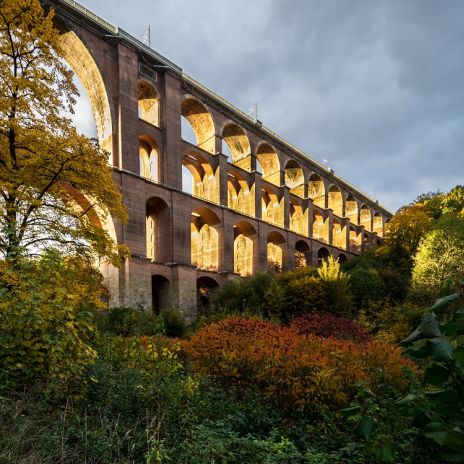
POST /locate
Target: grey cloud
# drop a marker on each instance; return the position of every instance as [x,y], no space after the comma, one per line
[375,87]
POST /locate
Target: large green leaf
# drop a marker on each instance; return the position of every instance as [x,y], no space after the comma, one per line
[350,411]
[384,452]
[441,349]
[455,441]
[428,328]
[436,374]
[419,353]
[437,431]
[445,301]
[459,354]
[364,428]
[447,396]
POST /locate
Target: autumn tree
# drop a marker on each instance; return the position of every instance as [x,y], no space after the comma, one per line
[53,181]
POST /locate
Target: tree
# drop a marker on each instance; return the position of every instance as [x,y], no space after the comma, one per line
[407,227]
[52,179]
[440,256]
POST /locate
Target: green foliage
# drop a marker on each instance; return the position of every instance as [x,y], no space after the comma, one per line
[244,295]
[294,293]
[390,321]
[440,256]
[45,322]
[439,408]
[129,321]
[174,323]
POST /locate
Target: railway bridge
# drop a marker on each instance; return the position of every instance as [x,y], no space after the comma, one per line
[211,193]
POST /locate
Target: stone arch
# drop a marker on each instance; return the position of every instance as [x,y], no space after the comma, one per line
[272,209]
[377,224]
[81,61]
[294,178]
[335,200]
[158,237]
[320,227]
[149,158]
[365,217]
[204,226]
[201,121]
[236,140]
[316,190]
[240,197]
[148,103]
[206,287]
[275,251]
[199,178]
[244,238]
[355,240]
[338,234]
[322,255]
[302,254]
[298,218]
[351,209]
[160,293]
[268,160]
[342,258]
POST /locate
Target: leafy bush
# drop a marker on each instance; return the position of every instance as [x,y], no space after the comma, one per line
[293,293]
[327,325]
[45,324]
[295,371]
[244,295]
[174,323]
[439,409]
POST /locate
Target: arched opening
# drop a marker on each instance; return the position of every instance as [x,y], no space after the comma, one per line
[275,251]
[302,254]
[298,219]
[335,200]
[206,287]
[355,240]
[158,230]
[244,236]
[338,235]
[366,241]
[199,179]
[76,54]
[159,294]
[294,178]
[342,258]
[268,162]
[238,146]
[351,209]
[148,103]
[320,227]
[316,190]
[322,255]
[201,122]
[205,239]
[365,217]
[272,210]
[240,197]
[149,159]
[377,224]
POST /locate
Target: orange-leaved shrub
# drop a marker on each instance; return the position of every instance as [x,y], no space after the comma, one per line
[328,325]
[296,371]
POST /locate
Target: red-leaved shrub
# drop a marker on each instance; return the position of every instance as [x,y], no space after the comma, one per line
[296,371]
[327,325]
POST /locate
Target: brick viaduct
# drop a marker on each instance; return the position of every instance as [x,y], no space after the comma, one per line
[240,199]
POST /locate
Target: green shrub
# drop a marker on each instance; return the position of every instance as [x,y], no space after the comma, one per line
[46,327]
[174,323]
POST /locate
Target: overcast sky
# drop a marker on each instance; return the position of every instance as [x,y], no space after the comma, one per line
[374,87]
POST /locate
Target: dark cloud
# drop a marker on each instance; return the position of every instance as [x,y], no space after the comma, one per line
[374,87]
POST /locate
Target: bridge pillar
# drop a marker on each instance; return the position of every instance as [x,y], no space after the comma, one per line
[172,154]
